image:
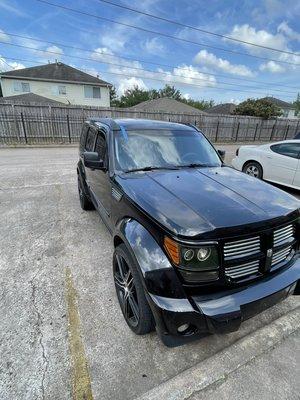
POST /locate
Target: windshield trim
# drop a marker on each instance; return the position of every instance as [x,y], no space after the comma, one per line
[172,167]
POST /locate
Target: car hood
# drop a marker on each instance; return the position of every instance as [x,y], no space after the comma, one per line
[190,202]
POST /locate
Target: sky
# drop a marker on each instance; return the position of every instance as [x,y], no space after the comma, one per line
[211,67]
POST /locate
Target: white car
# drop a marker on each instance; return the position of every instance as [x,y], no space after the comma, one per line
[276,162]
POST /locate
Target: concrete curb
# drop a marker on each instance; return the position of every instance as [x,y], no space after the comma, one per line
[222,364]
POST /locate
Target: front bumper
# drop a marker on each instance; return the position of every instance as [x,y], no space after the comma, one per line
[220,312]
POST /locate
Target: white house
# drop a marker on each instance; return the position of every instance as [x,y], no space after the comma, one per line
[58,82]
[288,109]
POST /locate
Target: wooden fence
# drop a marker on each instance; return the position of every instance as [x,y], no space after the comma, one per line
[34,124]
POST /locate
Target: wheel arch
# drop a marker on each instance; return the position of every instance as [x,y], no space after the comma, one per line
[158,274]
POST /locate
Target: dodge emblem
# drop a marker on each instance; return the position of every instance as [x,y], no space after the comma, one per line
[269,253]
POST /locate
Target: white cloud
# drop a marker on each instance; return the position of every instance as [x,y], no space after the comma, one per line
[129,83]
[184,73]
[272,66]
[261,37]
[54,49]
[187,74]
[288,31]
[154,46]
[210,60]
[4,37]
[235,101]
[8,65]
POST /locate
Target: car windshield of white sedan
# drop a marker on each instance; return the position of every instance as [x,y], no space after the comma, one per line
[159,149]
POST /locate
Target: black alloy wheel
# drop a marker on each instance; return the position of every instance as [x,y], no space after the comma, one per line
[130,292]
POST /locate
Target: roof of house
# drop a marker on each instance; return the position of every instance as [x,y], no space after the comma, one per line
[28,98]
[226,108]
[57,72]
[166,104]
[278,102]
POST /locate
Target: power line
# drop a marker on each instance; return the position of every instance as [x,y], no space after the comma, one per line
[184,68]
[142,77]
[148,71]
[163,34]
[137,68]
[195,28]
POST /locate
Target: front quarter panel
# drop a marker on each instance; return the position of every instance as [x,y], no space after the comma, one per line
[159,276]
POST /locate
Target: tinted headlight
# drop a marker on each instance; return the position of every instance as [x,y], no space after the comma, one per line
[199,258]
[196,263]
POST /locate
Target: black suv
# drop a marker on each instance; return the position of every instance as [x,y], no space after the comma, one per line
[199,246]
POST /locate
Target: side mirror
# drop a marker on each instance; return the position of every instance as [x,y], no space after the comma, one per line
[91,160]
[222,154]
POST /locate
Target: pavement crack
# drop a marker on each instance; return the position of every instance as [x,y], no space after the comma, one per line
[40,333]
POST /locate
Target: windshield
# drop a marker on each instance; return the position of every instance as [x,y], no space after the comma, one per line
[162,149]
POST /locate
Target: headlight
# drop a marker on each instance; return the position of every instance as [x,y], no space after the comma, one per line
[195,263]
[203,253]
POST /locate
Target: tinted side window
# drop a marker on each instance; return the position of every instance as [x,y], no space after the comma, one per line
[90,140]
[83,137]
[287,149]
[100,147]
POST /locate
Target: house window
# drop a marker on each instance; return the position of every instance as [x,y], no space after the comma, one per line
[92,92]
[59,90]
[62,90]
[21,87]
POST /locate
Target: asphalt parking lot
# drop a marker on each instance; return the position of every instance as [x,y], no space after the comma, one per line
[58,304]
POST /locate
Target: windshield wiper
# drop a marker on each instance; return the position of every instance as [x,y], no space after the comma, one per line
[149,168]
[195,165]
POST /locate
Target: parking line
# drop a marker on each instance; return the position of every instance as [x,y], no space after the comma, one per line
[81,383]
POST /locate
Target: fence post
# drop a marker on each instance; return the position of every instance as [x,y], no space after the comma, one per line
[69,128]
[255,133]
[297,127]
[237,131]
[23,126]
[273,129]
[286,132]
[217,131]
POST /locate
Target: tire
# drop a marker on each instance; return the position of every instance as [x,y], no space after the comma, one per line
[85,202]
[254,169]
[130,292]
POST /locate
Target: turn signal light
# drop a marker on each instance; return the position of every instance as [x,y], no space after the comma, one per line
[172,249]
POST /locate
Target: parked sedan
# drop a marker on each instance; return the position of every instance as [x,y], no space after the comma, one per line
[275,162]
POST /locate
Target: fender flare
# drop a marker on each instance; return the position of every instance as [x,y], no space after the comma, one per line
[158,274]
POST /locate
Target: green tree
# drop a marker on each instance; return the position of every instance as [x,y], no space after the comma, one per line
[114,98]
[297,105]
[133,96]
[170,91]
[258,108]
[200,104]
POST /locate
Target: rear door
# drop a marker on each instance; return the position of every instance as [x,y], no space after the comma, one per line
[283,162]
[100,185]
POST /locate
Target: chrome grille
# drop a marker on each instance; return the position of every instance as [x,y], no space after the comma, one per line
[237,252]
[242,270]
[241,248]
[281,255]
[283,235]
